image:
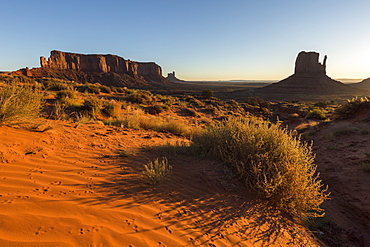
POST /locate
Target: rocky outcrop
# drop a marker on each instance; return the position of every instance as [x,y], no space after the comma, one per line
[99,64]
[172,77]
[108,70]
[309,78]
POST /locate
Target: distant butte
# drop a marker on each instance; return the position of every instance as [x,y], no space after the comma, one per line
[309,78]
[172,77]
[108,69]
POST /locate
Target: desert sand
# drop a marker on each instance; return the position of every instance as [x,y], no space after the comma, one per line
[67,186]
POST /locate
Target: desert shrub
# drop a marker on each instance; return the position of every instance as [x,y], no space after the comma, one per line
[316,114]
[105,89]
[18,104]
[207,93]
[142,97]
[52,84]
[157,170]
[351,107]
[111,108]
[161,108]
[257,101]
[210,109]
[271,161]
[89,88]
[93,106]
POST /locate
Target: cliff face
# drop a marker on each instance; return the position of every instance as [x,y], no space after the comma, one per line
[99,64]
[307,63]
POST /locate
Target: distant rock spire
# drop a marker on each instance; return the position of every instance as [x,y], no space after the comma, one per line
[307,63]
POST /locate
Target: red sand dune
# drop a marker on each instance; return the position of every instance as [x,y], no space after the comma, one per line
[69,187]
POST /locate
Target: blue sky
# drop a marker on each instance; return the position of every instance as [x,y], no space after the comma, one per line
[199,39]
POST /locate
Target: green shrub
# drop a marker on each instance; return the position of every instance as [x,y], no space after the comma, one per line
[316,114]
[276,165]
[18,104]
[157,170]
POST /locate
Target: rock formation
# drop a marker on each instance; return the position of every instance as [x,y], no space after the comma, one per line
[172,77]
[364,84]
[309,78]
[110,70]
[98,63]
[307,63]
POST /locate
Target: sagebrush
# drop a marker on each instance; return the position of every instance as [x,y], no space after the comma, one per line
[272,162]
[19,103]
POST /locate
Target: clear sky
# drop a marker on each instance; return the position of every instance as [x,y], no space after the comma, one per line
[199,39]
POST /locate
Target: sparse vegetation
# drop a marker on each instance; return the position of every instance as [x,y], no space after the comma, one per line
[276,165]
[207,93]
[157,170]
[316,114]
[19,104]
[351,107]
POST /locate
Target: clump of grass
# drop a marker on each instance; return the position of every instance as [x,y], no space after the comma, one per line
[270,160]
[316,114]
[19,104]
[139,120]
[157,170]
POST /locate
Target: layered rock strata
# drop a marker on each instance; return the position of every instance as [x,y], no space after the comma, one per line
[108,69]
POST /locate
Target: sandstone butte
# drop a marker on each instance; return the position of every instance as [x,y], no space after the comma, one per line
[309,78]
[108,69]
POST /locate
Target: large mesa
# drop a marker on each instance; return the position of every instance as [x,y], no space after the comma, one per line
[107,69]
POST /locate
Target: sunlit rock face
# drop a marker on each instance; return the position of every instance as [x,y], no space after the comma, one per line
[110,70]
[99,63]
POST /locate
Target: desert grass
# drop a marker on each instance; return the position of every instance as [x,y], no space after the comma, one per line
[19,104]
[351,107]
[157,170]
[278,166]
[137,119]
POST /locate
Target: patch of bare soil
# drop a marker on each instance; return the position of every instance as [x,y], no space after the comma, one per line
[343,157]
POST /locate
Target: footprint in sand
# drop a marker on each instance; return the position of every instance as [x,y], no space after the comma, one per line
[42,230]
[168,229]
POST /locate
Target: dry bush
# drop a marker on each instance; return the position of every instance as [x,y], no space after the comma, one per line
[19,104]
[137,119]
[276,165]
[93,106]
[142,97]
[157,170]
[316,114]
[351,107]
[112,108]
